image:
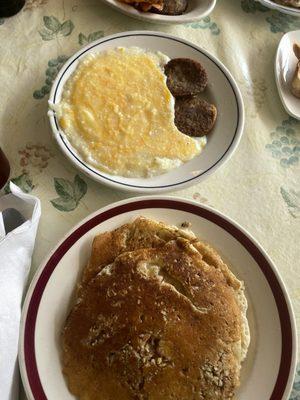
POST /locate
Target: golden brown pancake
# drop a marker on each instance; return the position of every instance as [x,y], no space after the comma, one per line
[139,234]
[165,322]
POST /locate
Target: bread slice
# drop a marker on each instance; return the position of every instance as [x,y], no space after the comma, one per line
[161,323]
[195,116]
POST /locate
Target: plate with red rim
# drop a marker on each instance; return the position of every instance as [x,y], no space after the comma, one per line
[196,10]
[269,369]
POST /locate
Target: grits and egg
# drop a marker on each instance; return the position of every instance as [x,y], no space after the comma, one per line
[118,113]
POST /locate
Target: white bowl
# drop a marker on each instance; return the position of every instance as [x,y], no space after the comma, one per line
[197,9]
[285,66]
[267,373]
[222,90]
[284,9]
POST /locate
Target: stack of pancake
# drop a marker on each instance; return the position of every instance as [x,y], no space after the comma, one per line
[158,315]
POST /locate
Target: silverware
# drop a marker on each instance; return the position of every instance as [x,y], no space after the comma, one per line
[12,218]
[4,168]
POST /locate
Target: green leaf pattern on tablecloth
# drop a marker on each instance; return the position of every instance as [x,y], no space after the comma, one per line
[206,23]
[83,39]
[53,28]
[23,181]
[295,395]
[70,193]
[259,89]
[285,145]
[54,65]
[278,22]
[282,23]
[251,6]
[256,89]
[80,188]
[2,20]
[292,200]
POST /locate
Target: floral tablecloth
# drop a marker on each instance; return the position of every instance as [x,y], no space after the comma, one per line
[259,187]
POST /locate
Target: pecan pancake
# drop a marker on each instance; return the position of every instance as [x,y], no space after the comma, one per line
[139,234]
[157,324]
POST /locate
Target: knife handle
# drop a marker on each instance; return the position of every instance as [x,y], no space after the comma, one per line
[4,169]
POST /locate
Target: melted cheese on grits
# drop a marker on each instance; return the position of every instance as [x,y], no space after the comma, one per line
[118,113]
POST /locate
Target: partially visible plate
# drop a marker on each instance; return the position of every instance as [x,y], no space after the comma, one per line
[285,66]
[268,371]
[279,7]
[222,91]
[196,10]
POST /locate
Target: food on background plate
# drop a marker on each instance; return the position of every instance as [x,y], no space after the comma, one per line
[145,5]
[158,315]
[165,7]
[171,7]
[118,113]
[289,3]
[295,87]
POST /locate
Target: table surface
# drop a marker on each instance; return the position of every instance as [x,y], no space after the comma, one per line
[259,187]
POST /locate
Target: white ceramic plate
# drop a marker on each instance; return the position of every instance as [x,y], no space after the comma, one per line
[284,9]
[222,91]
[196,10]
[285,65]
[268,371]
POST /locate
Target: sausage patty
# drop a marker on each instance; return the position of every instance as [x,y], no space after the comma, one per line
[185,77]
[194,116]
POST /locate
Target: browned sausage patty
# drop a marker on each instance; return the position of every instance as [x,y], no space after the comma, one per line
[194,116]
[185,77]
[172,7]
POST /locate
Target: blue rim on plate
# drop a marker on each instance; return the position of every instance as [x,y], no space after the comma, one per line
[110,180]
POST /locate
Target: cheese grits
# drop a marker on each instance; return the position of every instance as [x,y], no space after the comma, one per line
[118,114]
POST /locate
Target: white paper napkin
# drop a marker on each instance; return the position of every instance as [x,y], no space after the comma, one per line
[15,259]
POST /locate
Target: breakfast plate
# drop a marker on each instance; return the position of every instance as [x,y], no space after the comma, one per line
[222,91]
[281,8]
[196,11]
[269,368]
[285,66]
